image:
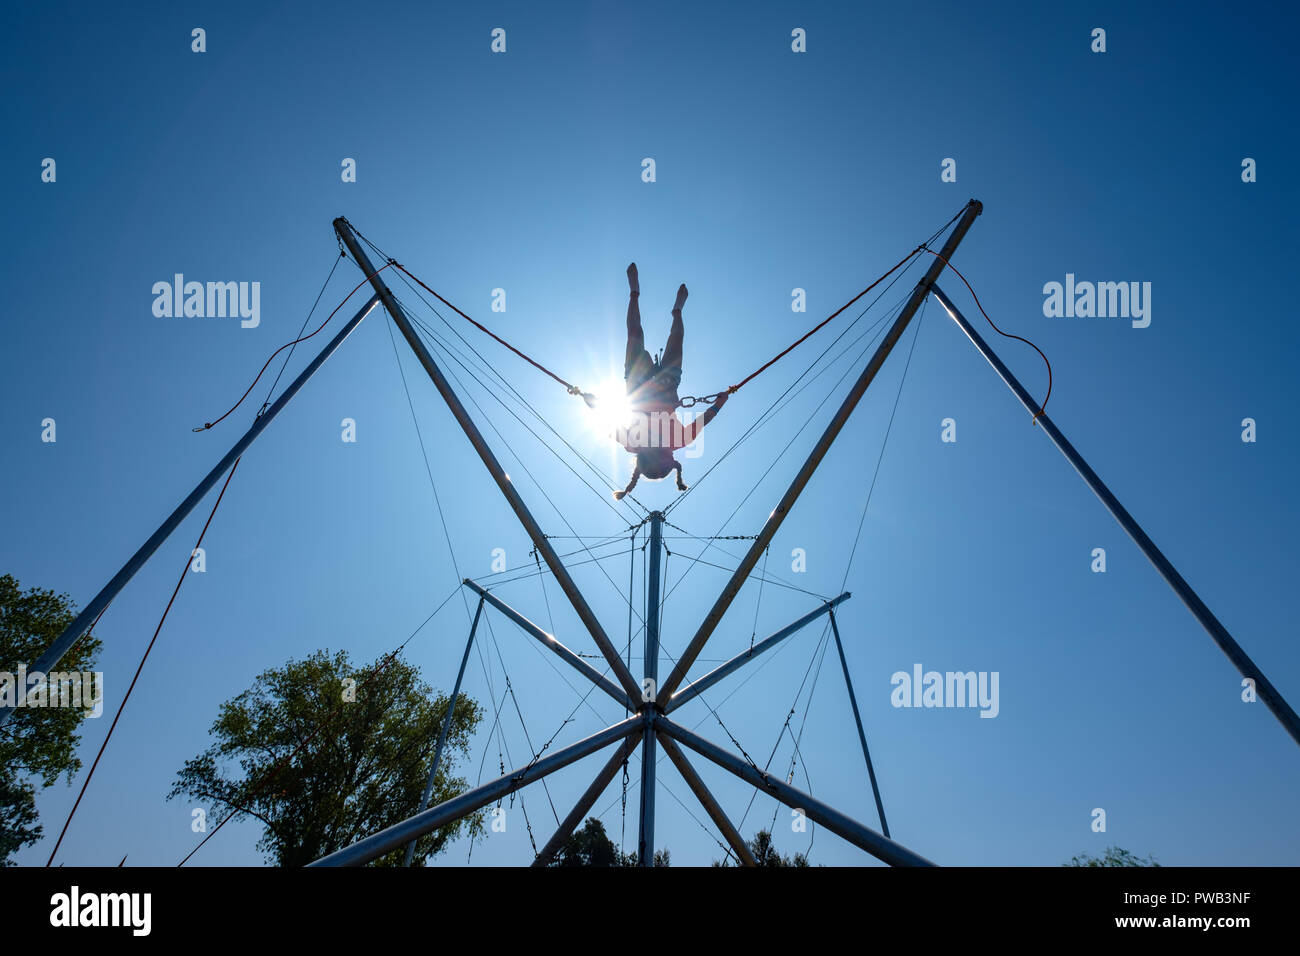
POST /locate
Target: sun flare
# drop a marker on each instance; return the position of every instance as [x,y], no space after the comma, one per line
[612,410]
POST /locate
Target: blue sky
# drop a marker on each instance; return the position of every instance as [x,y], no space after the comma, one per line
[775,171]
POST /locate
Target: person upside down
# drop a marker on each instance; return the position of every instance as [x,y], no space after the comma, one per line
[656,432]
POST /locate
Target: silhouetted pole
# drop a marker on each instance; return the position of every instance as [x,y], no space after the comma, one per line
[1263,687]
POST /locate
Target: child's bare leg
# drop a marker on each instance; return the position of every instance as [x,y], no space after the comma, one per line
[672,357]
[635,334]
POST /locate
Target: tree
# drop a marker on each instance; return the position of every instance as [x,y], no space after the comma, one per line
[590,846]
[1114,856]
[330,753]
[766,853]
[38,744]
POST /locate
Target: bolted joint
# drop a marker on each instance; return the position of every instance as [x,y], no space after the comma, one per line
[649,709]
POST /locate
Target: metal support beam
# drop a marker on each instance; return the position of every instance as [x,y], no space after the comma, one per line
[778,515]
[881,847]
[646,830]
[857,719]
[446,724]
[1263,687]
[584,804]
[706,799]
[540,542]
[548,639]
[698,687]
[399,834]
[82,622]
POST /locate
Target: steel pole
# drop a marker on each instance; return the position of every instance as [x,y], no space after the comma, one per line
[584,804]
[857,719]
[399,834]
[73,632]
[446,724]
[695,688]
[778,515]
[1263,687]
[706,799]
[881,847]
[549,640]
[646,841]
[540,542]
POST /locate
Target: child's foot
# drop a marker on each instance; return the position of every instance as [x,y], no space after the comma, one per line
[633,283]
[681,297]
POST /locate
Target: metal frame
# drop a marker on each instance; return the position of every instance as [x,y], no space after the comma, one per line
[346,235]
[649,723]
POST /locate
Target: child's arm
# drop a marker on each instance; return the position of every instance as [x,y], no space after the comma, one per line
[636,473]
[691,432]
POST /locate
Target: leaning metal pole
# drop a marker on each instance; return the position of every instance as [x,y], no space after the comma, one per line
[540,542]
[646,831]
[585,802]
[881,847]
[778,515]
[549,640]
[707,800]
[446,724]
[82,622]
[449,811]
[695,688]
[1264,688]
[857,719]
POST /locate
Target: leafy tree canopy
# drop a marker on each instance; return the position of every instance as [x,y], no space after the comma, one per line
[766,853]
[1114,856]
[590,846]
[38,744]
[327,753]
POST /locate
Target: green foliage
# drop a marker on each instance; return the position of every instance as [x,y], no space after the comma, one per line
[766,853]
[321,772]
[590,846]
[38,744]
[1114,856]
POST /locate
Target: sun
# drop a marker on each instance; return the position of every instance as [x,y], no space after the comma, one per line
[612,410]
